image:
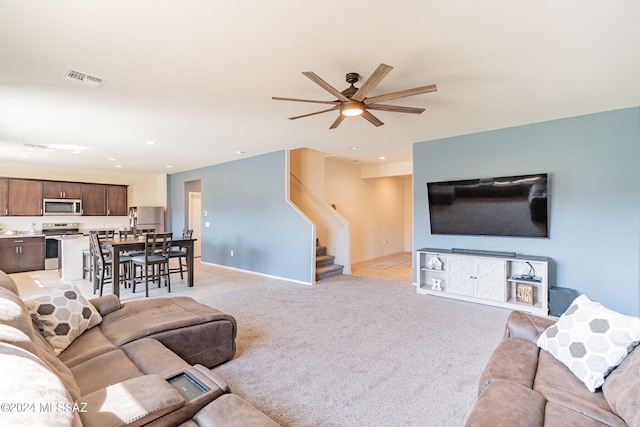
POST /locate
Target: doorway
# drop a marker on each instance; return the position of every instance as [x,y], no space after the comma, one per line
[195,207]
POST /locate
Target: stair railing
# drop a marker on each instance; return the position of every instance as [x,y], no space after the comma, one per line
[332,229]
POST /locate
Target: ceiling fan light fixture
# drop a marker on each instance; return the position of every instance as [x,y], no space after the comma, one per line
[352,108]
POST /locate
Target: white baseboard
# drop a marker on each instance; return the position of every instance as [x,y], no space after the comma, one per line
[257,274]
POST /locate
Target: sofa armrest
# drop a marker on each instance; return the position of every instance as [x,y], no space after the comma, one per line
[133,402]
[106,304]
[526,326]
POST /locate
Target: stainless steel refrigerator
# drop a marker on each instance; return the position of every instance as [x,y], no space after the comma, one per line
[147,217]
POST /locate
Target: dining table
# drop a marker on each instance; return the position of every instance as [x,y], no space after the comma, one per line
[118,245]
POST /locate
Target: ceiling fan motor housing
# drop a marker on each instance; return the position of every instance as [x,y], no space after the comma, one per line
[352,78]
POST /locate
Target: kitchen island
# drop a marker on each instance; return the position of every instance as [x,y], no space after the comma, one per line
[70,256]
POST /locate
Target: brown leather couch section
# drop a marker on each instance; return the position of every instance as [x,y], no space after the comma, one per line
[120,372]
[525,386]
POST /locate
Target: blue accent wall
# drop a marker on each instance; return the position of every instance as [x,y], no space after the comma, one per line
[593,163]
[248,213]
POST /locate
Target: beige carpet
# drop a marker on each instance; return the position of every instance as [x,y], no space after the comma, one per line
[354,351]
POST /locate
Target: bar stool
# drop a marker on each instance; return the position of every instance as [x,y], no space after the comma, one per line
[103,268]
[156,257]
[180,253]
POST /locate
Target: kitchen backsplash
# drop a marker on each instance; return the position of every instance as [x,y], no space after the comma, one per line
[23,223]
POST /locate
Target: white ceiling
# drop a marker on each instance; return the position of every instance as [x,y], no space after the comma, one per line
[197,77]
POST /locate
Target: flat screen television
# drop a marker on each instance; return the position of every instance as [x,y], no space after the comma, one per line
[514,206]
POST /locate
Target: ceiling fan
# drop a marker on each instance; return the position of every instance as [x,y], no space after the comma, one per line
[353,101]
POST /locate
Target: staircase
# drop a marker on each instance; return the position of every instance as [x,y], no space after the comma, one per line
[324,263]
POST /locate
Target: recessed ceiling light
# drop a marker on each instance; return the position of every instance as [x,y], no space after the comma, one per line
[25,156]
[353,148]
[240,152]
[382,158]
[112,159]
[118,166]
[151,143]
[169,166]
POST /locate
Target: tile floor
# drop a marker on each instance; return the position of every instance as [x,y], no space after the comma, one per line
[401,273]
[209,280]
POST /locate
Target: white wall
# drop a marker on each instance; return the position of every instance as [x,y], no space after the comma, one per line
[308,166]
[408,214]
[374,207]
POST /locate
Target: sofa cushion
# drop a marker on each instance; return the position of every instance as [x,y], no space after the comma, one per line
[622,389]
[101,371]
[151,357]
[560,386]
[16,328]
[90,344]
[513,360]
[133,402]
[63,315]
[504,403]
[591,340]
[143,318]
[230,410]
[27,381]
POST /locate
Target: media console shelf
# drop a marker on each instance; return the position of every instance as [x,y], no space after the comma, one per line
[510,281]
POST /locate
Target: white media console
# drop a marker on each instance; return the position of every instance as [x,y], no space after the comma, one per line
[493,278]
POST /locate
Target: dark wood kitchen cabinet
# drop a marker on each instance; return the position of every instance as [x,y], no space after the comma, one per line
[4,197]
[18,254]
[94,199]
[117,200]
[25,197]
[61,190]
[104,200]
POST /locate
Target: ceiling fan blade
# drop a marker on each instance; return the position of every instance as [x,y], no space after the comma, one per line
[326,86]
[313,114]
[401,94]
[395,108]
[278,98]
[337,122]
[373,119]
[372,82]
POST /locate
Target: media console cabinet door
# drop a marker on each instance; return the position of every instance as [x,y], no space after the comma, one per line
[461,272]
[491,281]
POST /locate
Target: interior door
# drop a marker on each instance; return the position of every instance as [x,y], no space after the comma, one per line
[195,205]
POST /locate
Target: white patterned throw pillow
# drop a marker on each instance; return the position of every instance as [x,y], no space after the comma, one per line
[63,315]
[591,340]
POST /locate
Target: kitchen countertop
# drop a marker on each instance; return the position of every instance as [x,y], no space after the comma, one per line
[20,234]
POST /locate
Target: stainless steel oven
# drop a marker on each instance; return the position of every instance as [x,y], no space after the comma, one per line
[51,231]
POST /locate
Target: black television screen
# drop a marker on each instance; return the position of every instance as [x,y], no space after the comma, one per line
[514,206]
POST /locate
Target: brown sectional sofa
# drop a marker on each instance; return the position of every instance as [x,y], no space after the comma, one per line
[121,371]
[525,386]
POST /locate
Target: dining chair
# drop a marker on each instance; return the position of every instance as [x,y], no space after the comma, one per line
[180,253]
[156,256]
[88,257]
[102,265]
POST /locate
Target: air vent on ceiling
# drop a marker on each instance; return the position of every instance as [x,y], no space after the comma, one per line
[83,78]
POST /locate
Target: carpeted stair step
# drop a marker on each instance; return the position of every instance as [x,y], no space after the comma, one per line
[321,250]
[324,260]
[328,271]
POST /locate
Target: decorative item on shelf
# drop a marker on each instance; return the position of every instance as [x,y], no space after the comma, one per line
[524,293]
[434,263]
[436,284]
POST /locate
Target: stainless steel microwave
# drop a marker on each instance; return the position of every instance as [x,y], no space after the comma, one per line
[62,207]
